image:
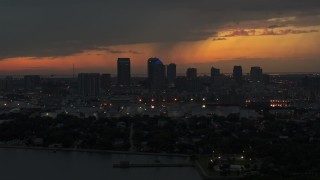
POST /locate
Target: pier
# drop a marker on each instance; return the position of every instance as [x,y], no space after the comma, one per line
[126,164]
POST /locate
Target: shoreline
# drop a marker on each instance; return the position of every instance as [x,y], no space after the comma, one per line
[92,151]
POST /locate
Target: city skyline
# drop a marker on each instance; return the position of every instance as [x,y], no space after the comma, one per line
[279,36]
[180,70]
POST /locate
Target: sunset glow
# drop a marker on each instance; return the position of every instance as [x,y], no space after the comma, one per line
[290,46]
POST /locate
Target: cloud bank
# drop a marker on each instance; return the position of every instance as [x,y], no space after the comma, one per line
[43,28]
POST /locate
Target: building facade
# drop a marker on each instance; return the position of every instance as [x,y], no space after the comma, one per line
[124,71]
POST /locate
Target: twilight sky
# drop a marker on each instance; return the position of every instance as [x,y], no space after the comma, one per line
[44,37]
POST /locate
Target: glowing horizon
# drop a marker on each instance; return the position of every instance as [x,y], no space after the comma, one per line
[211,50]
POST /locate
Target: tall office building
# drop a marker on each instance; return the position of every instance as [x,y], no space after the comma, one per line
[105,81]
[156,74]
[215,72]
[124,71]
[31,82]
[192,73]
[89,84]
[171,73]
[256,74]
[192,82]
[237,74]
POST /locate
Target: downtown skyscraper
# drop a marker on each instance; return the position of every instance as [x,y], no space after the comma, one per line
[156,74]
[256,74]
[192,73]
[124,71]
[237,74]
[171,73]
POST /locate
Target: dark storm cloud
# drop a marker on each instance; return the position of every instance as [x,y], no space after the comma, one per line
[40,28]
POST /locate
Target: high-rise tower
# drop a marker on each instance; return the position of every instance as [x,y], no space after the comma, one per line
[156,74]
[124,71]
[171,73]
[237,74]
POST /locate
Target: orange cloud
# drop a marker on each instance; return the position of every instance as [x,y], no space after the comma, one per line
[241,32]
[265,32]
[285,32]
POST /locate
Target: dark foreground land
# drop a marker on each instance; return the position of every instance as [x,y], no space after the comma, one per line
[264,148]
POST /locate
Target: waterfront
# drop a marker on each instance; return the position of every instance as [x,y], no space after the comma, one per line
[17,164]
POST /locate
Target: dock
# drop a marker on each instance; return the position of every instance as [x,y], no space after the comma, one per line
[126,164]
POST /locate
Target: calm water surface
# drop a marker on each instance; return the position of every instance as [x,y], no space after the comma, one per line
[20,164]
